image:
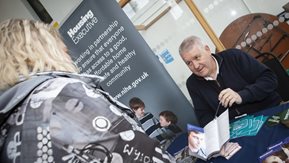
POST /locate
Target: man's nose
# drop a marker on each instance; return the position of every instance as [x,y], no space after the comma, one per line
[195,64]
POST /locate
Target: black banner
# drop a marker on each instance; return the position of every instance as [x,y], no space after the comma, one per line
[103,41]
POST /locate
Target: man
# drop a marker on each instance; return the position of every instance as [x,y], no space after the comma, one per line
[196,141]
[229,79]
[195,146]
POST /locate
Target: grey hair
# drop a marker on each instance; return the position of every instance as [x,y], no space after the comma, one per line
[189,43]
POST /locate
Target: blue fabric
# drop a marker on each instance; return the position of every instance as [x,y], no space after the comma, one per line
[194,128]
[178,144]
[255,146]
[242,73]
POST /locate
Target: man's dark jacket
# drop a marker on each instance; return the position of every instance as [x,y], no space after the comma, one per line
[252,80]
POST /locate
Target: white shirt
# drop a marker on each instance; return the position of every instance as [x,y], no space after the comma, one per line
[217,72]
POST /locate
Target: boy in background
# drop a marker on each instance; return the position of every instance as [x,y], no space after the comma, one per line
[168,122]
[148,122]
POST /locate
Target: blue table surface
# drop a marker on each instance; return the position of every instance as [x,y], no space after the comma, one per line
[254,146]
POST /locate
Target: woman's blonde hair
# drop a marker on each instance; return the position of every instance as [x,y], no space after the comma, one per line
[28,46]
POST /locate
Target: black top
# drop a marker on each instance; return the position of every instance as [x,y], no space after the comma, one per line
[255,83]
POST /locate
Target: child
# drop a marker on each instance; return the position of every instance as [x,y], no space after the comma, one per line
[168,122]
[148,122]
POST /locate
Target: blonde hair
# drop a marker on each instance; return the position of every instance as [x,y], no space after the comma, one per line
[189,43]
[28,46]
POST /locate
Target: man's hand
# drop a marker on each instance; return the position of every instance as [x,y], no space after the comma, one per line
[228,97]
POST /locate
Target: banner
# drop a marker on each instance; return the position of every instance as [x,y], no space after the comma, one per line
[103,41]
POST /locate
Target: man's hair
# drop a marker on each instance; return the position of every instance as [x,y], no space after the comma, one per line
[169,116]
[194,131]
[135,103]
[28,46]
[189,43]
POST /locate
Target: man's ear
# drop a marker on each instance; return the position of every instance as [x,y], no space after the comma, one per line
[207,48]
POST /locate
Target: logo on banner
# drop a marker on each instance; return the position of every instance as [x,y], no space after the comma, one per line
[83,26]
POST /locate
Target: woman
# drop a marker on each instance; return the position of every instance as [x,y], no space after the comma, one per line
[52,114]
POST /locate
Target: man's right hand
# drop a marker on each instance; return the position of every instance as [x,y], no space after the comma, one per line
[228,97]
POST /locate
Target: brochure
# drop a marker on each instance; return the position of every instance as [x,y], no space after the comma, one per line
[246,126]
[212,140]
[278,152]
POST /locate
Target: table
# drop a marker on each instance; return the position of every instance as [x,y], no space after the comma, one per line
[254,146]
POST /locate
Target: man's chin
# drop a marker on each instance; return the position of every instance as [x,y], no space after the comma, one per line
[201,74]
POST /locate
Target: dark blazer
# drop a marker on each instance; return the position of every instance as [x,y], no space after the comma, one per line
[254,82]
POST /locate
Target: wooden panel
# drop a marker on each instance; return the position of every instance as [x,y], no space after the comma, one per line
[194,9]
[252,35]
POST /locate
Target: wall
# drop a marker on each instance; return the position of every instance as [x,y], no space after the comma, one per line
[60,11]
[262,6]
[16,9]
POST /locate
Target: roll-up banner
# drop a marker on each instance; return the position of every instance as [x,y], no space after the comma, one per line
[103,41]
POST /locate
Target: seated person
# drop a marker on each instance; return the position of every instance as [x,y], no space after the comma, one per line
[148,122]
[168,122]
[231,78]
[51,113]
